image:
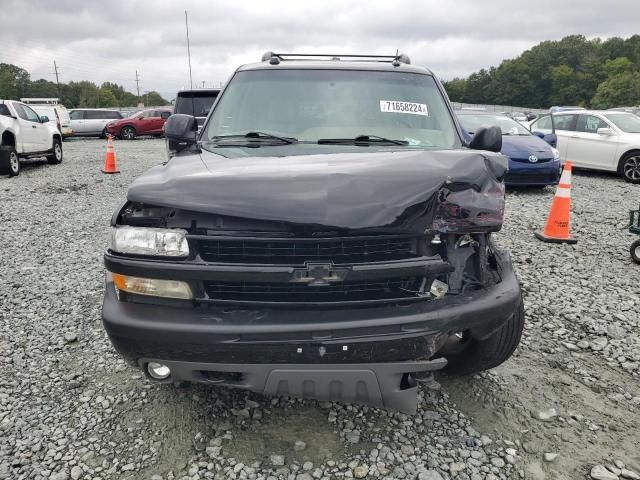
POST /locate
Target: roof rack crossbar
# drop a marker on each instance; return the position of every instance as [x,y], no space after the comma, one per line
[401,58]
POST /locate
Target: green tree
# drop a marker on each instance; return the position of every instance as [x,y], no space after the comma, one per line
[618,66]
[154,99]
[619,90]
[456,89]
[564,86]
[13,81]
[106,98]
[42,89]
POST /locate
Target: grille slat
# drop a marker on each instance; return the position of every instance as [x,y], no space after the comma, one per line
[298,251]
[296,292]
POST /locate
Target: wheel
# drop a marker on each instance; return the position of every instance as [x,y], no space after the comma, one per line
[479,355]
[9,161]
[128,133]
[104,133]
[635,251]
[630,167]
[55,157]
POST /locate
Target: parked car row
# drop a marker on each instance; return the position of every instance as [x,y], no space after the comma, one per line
[54,110]
[92,122]
[98,122]
[26,134]
[605,140]
[532,161]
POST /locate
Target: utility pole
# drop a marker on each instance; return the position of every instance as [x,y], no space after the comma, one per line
[138,85]
[55,68]
[186,23]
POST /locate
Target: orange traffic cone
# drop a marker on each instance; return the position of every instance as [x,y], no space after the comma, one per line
[556,230]
[110,158]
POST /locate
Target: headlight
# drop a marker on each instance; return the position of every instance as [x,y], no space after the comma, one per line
[556,153]
[152,286]
[150,241]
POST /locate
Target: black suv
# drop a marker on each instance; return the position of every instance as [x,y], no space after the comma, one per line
[326,234]
[196,102]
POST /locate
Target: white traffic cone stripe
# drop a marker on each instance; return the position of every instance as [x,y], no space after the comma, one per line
[563,192]
[565,178]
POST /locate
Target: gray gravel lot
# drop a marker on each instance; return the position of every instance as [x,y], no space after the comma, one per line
[566,406]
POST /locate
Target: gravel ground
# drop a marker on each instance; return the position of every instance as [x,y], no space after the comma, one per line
[566,406]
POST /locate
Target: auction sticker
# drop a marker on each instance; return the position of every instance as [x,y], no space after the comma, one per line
[394,106]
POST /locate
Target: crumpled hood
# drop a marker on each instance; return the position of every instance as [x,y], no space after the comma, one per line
[347,190]
[523,146]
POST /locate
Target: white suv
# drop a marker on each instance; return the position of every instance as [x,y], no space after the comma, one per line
[600,140]
[25,134]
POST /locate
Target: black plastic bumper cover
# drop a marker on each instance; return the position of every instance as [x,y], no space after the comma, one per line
[186,340]
[376,384]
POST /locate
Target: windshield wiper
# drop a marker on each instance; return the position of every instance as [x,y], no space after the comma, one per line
[361,140]
[255,136]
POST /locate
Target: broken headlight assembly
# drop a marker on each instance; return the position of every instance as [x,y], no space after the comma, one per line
[465,209]
[160,242]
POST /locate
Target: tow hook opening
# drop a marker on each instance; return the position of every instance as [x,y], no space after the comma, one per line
[408,381]
[213,376]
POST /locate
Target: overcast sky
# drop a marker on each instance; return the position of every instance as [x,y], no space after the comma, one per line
[109,40]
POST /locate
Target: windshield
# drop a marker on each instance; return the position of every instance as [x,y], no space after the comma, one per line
[471,123]
[627,122]
[197,105]
[48,111]
[323,105]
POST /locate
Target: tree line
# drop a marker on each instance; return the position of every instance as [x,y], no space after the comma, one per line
[572,71]
[16,83]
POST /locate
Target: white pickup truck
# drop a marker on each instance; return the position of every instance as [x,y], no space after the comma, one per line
[25,134]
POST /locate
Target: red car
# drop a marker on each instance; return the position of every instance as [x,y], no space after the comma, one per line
[146,122]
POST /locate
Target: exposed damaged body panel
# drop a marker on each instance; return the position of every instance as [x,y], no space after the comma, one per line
[382,190]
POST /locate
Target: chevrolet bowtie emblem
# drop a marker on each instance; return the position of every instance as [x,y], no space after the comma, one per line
[319,274]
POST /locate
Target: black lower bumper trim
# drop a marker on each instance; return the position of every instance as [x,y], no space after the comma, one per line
[377,384]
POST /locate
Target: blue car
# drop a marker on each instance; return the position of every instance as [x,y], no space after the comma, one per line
[532,161]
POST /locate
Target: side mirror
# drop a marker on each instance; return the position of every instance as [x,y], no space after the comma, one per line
[487,139]
[44,119]
[180,131]
[538,134]
[606,132]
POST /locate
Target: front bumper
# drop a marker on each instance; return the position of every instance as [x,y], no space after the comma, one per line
[532,174]
[352,354]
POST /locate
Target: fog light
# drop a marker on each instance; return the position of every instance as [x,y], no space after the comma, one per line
[158,371]
[152,286]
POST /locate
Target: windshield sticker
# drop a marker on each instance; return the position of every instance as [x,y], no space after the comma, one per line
[393,106]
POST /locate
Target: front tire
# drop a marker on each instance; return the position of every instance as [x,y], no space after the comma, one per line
[635,251]
[9,161]
[630,167]
[480,355]
[128,133]
[55,157]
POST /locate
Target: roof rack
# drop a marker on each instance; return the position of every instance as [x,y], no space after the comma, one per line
[41,101]
[275,58]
